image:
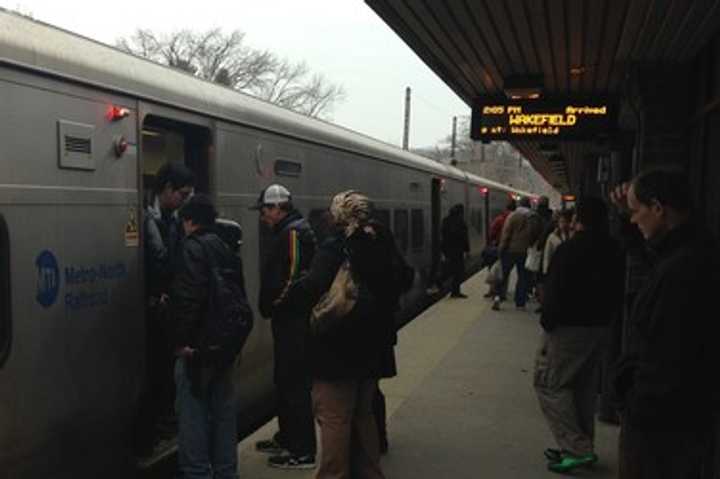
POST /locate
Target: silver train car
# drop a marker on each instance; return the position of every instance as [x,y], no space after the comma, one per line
[83,129]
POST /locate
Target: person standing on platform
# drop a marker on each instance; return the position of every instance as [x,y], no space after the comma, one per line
[521,229]
[545,217]
[490,254]
[351,352]
[162,239]
[496,227]
[205,397]
[288,259]
[559,235]
[455,246]
[666,378]
[583,294]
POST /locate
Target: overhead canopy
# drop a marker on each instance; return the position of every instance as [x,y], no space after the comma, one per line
[576,47]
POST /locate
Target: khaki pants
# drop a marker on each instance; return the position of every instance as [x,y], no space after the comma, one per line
[348,433]
[566,384]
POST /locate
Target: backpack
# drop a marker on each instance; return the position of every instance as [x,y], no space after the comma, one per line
[229,318]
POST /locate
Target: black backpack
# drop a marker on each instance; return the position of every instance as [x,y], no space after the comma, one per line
[229,319]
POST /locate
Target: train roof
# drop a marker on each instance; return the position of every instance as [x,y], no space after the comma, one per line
[41,47]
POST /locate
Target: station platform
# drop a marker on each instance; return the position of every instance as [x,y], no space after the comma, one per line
[462,405]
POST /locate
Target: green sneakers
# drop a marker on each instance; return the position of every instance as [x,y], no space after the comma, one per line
[569,462]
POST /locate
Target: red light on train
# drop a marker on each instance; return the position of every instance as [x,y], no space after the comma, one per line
[484,190]
[116,113]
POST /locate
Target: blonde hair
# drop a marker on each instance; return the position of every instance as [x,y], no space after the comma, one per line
[350,209]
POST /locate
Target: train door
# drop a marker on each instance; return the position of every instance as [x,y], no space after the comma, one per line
[486,213]
[167,140]
[5,308]
[436,213]
[165,137]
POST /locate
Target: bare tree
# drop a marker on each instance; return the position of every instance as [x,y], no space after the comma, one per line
[226,60]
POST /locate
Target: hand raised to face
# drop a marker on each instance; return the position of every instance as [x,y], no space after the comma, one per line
[618,196]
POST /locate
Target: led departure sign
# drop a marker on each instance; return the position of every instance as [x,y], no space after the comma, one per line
[537,119]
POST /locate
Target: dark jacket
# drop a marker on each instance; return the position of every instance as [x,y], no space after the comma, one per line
[190,287]
[454,235]
[361,349]
[162,238]
[668,374]
[287,258]
[584,284]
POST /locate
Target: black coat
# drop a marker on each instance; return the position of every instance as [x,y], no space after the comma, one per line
[584,285]
[190,287]
[363,348]
[454,236]
[668,375]
[287,258]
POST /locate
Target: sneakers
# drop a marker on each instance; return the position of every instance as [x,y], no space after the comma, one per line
[291,461]
[569,462]
[553,455]
[269,446]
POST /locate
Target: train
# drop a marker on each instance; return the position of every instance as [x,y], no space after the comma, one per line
[84,128]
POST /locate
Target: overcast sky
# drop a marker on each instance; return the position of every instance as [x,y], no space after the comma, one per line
[343,39]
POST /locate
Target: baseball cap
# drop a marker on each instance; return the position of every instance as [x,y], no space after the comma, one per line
[271,196]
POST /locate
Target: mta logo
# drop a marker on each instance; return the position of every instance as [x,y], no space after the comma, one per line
[48,279]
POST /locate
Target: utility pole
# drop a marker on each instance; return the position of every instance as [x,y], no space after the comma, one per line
[406,132]
[453,161]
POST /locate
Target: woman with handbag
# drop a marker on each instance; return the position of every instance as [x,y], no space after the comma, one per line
[353,288]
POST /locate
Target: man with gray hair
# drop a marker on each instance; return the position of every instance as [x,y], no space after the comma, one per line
[666,377]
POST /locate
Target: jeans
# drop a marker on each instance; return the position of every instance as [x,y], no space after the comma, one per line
[207,429]
[510,260]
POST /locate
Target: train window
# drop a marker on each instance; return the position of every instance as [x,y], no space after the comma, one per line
[401,230]
[319,223]
[288,168]
[382,216]
[5,308]
[477,219]
[418,229]
[165,140]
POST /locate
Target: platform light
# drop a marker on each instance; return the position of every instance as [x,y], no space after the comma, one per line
[523,87]
[115,113]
